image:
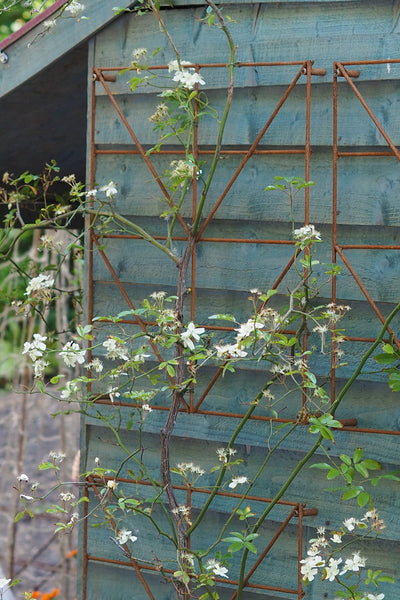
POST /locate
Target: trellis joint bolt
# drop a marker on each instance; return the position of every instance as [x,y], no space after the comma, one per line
[318,72]
[95,77]
[3,57]
[350,73]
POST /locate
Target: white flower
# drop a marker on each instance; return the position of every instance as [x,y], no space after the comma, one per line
[238,481]
[39,367]
[332,569]
[115,350]
[109,189]
[4,583]
[309,566]
[23,478]
[57,456]
[72,354]
[353,564]
[113,393]
[224,453]
[147,408]
[248,329]
[350,523]
[111,484]
[308,233]
[96,365]
[50,24]
[35,348]
[217,568]
[229,351]
[67,496]
[336,538]
[173,65]
[321,530]
[192,332]
[124,535]
[69,389]
[188,78]
[91,193]
[138,52]
[75,8]
[374,596]
[41,282]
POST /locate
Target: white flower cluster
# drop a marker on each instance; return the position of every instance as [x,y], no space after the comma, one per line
[35,350]
[187,77]
[246,330]
[72,354]
[224,454]
[307,234]
[39,284]
[216,567]
[75,8]
[320,558]
[115,349]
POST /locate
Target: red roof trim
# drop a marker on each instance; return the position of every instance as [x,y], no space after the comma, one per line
[31,24]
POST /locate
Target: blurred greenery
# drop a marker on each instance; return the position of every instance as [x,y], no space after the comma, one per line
[14,14]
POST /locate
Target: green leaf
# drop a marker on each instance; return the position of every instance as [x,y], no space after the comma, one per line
[384,359]
[19,516]
[332,474]
[352,493]
[369,463]
[321,466]
[236,546]
[251,547]
[363,499]
[346,459]
[361,469]
[357,456]
[386,579]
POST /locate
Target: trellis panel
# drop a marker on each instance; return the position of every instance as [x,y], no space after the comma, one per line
[253,243]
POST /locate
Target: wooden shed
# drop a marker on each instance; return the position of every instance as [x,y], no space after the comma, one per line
[316,96]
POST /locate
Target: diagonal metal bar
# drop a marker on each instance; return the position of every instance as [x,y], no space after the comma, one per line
[132,561]
[362,287]
[164,190]
[264,553]
[252,148]
[389,142]
[129,302]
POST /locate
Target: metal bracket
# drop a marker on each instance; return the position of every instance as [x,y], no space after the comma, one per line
[3,57]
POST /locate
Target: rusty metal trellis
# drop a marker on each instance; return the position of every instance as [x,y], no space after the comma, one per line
[105,77]
[345,71]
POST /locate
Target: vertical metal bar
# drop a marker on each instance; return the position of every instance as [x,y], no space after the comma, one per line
[252,148]
[334,212]
[300,592]
[307,140]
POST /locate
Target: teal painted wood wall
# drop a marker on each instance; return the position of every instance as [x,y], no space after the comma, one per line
[368,213]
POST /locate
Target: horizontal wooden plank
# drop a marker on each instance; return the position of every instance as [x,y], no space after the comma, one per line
[368,189]
[261,32]
[237,267]
[252,107]
[310,486]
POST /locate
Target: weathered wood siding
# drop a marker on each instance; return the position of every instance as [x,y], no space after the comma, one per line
[368,198]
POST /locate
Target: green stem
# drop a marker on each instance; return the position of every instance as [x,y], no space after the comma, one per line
[317,444]
[232,51]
